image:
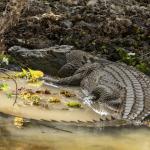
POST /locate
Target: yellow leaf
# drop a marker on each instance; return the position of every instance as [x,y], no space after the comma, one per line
[35,74]
[18,122]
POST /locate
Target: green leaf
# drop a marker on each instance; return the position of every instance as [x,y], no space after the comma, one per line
[4,86]
[74,104]
[9,95]
[143,67]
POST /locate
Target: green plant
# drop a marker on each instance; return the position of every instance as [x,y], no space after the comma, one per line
[74,104]
[9,95]
[6,59]
[143,67]
[128,58]
[133,60]
[30,97]
[104,49]
[22,74]
[54,100]
[31,75]
[4,86]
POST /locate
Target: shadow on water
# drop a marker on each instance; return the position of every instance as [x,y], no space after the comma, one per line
[39,137]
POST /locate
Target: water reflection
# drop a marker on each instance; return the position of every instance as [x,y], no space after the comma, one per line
[49,139]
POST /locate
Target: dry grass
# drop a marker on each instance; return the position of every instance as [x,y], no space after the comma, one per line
[10,18]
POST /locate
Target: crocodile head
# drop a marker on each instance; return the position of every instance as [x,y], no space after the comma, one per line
[49,60]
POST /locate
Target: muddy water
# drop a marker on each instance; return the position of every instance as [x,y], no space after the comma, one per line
[54,111]
[40,137]
[45,139]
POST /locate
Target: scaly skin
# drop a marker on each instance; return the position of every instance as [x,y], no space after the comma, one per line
[120,87]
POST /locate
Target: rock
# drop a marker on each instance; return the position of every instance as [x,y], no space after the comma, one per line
[66,23]
[86,24]
[92,2]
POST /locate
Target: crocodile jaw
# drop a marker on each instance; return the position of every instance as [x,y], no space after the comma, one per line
[49,60]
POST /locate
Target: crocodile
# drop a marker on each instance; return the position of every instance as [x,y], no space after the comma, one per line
[119,89]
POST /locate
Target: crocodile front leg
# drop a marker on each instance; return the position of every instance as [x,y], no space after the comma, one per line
[110,98]
[72,80]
